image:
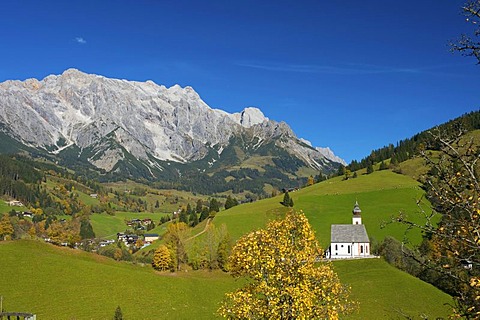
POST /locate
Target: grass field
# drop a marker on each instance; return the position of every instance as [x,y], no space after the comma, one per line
[385,292]
[106,226]
[63,283]
[381,195]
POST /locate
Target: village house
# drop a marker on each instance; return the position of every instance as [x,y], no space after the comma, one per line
[349,241]
[15,203]
[150,237]
[128,239]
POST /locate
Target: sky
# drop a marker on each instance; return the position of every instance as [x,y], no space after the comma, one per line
[350,75]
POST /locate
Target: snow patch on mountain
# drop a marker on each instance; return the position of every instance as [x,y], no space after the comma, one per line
[145,119]
[328,153]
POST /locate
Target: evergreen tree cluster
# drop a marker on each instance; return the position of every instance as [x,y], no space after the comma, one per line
[408,148]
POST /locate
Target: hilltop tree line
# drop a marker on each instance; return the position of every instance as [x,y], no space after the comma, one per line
[411,147]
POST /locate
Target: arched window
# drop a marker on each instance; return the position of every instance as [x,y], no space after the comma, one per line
[348,249]
[361,249]
[336,247]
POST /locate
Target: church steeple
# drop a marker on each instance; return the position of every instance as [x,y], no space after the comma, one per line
[357,214]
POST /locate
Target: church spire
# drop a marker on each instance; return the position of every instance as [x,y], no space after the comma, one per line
[357,214]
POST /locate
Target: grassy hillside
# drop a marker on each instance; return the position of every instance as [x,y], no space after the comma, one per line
[381,195]
[71,284]
[106,226]
[62,283]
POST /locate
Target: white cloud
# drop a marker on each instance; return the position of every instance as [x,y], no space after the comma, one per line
[80,40]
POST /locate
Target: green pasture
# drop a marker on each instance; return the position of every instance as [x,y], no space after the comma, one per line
[87,199]
[107,226]
[385,292]
[62,283]
[5,208]
[381,195]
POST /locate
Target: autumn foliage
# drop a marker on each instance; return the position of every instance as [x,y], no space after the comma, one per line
[285,279]
[162,259]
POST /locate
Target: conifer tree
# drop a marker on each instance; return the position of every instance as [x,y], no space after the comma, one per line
[199,207]
[286,199]
[193,219]
[369,169]
[118,314]
[86,230]
[183,217]
[204,214]
[214,206]
[383,166]
[230,202]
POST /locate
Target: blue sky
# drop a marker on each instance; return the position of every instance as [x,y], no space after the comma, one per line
[351,75]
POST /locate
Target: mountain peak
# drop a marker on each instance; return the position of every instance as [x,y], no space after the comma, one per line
[109,118]
[249,117]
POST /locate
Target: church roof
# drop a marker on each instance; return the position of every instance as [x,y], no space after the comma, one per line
[347,233]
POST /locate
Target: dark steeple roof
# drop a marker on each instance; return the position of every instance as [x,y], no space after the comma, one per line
[356,209]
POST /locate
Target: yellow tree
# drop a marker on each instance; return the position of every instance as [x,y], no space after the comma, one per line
[310,181]
[162,259]
[285,280]
[175,238]
[451,250]
[6,228]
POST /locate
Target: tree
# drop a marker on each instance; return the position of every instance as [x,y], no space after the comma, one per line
[204,214]
[199,206]
[286,199]
[183,217]
[451,247]
[175,241]
[214,205]
[383,166]
[162,259]
[370,168]
[86,230]
[230,202]
[310,181]
[189,209]
[285,281]
[223,248]
[6,227]
[466,45]
[193,219]
[118,314]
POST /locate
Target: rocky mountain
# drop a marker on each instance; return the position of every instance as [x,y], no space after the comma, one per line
[140,129]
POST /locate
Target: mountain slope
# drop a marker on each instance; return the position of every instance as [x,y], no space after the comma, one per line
[142,130]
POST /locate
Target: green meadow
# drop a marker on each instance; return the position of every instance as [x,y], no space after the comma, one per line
[381,195]
[62,283]
[106,226]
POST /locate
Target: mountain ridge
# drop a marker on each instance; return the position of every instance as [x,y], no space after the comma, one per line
[110,118]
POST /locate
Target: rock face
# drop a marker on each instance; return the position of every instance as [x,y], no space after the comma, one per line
[108,120]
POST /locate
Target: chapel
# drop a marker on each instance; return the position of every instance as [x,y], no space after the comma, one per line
[349,241]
